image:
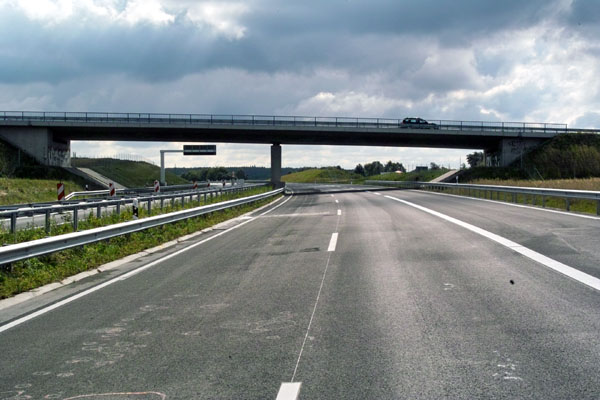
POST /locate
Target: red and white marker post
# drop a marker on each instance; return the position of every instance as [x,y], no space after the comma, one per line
[156,187]
[60,191]
[195,185]
[112,192]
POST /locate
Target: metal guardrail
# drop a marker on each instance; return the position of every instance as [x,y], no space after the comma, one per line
[266,120]
[487,190]
[75,207]
[105,192]
[22,251]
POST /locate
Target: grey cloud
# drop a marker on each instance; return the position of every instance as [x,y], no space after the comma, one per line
[352,35]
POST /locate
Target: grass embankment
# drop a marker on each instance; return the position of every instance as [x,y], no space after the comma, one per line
[322,175]
[35,272]
[584,206]
[128,173]
[21,190]
[419,176]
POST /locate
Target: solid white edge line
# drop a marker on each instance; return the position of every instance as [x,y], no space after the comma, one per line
[129,274]
[570,214]
[289,391]
[333,242]
[339,212]
[571,272]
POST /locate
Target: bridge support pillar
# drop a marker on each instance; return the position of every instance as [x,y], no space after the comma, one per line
[510,150]
[39,143]
[276,165]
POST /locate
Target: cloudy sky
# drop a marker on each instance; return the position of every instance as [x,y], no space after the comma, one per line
[510,60]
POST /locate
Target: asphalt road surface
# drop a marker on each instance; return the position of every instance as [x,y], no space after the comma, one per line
[347,295]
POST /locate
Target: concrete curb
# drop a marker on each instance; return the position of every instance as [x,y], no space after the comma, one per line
[21,297]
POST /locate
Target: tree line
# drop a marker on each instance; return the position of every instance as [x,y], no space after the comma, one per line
[376,168]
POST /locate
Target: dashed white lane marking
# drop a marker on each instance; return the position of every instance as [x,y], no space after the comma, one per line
[571,272]
[337,201]
[339,212]
[377,193]
[129,274]
[289,391]
[332,195]
[333,242]
[570,214]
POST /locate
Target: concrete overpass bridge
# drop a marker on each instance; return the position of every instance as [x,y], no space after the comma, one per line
[47,135]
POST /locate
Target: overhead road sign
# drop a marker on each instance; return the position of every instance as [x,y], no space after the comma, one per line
[200,150]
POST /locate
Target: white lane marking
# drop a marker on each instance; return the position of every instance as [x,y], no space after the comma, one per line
[332,195]
[333,242]
[337,201]
[289,391]
[570,214]
[377,193]
[339,212]
[571,272]
[129,274]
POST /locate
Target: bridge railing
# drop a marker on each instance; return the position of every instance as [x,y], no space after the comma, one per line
[271,120]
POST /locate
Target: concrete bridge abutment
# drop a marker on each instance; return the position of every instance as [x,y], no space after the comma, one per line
[39,143]
[510,150]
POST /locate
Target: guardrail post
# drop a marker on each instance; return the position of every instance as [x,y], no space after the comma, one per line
[98,212]
[162,203]
[75,219]
[118,208]
[13,223]
[598,207]
[514,197]
[544,201]
[568,203]
[534,200]
[47,224]
[149,207]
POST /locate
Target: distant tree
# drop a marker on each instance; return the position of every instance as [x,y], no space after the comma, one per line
[240,174]
[474,159]
[374,168]
[217,173]
[360,170]
[434,166]
[393,167]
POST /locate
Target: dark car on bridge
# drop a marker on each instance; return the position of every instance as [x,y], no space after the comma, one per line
[417,123]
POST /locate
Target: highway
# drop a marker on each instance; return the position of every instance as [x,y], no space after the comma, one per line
[393,294]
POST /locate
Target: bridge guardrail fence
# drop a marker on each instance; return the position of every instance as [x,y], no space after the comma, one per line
[486,191]
[144,201]
[270,120]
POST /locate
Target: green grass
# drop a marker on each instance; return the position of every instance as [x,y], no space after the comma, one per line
[20,190]
[35,272]
[322,175]
[128,173]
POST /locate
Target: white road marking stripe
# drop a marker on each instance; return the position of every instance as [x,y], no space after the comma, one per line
[571,214]
[540,258]
[339,212]
[289,391]
[129,274]
[333,242]
[332,195]
[337,201]
[377,193]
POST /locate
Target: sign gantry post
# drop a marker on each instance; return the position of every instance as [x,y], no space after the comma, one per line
[188,150]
